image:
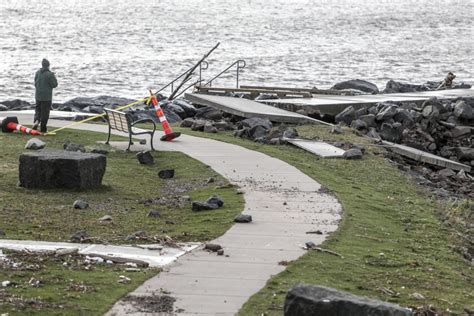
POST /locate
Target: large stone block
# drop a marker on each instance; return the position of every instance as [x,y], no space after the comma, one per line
[61,169]
[306,300]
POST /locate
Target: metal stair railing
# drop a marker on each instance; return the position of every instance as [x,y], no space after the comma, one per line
[240,65]
[202,66]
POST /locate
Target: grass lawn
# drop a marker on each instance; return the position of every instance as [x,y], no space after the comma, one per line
[392,241]
[128,193]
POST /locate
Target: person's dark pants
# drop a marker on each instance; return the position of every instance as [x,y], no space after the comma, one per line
[42,114]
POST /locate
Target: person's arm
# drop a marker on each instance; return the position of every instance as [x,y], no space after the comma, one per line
[53,81]
[36,78]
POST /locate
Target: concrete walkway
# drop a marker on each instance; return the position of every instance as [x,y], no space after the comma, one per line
[284,204]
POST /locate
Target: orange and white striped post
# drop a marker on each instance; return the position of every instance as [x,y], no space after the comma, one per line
[10,124]
[169,134]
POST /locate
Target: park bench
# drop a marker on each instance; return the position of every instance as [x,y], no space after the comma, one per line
[124,122]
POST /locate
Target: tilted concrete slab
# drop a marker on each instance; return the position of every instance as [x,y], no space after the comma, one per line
[155,258]
[247,108]
[426,157]
[334,104]
[321,149]
[52,114]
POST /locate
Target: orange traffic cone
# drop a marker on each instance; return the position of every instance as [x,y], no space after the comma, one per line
[10,124]
[169,134]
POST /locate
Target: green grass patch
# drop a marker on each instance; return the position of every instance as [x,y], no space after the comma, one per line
[392,242]
[128,193]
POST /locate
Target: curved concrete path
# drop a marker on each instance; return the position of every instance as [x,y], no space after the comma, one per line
[284,203]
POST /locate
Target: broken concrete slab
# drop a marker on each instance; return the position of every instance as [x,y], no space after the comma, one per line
[155,258]
[426,157]
[247,108]
[321,149]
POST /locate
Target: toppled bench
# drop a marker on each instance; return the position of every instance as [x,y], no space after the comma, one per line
[48,168]
[123,122]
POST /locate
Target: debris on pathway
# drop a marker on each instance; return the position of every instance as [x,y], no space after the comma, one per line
[145,158]
[213,247]
[152,303]
[80,237]
[243,218]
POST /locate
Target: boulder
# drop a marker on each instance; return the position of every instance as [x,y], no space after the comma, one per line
[145,158]
[171,116]
[290,132]
[357,84]
[187,122]
[369,120]
[309,300]
[35,144]
[256,121]
[16,104]
[387,112]
[372,133]
[3,107]
[198,206]
[336,129]
[80,205]
[213,247]
[391,132]
[352,154]
[257,132]
[395,87]
[358,125]
[198,125]
[68,146]
[209,113]
[460,131]
[215,200]
[100,101]
[61,169]
[154,213]
[463,111]
[465,153]
[166,173]
[189,109]
[209,128]
[243,218]
[346,116]
[223,126]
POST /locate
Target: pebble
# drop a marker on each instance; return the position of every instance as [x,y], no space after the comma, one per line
[80,204]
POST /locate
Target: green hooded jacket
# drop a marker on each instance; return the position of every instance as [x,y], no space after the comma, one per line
[45,82]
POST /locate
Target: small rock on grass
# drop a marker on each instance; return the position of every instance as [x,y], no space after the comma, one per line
[166,173]
[105,218]
[35,144]
[213,247]
[74,147]
[2,233]
[145,158]
[212,203]
[353,153]
[80,236]
[142,141]
[336,129]
[80,204]
[310,244]
[99,151]
[243,218]
[154,213]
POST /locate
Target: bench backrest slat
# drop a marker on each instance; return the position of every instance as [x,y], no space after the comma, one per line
[118,120]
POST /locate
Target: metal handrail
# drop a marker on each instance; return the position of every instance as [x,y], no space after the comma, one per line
[171,83]
[240,65]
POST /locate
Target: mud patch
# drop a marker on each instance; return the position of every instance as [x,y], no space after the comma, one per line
[152,304]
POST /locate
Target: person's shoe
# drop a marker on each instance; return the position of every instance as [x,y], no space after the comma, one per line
[35,125]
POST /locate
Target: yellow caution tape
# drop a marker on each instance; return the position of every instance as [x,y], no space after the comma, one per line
[98,115]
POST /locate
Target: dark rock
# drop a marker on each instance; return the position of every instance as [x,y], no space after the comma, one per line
[465,153]
[256,121]
[16,104]
[463,111]
[215,200]
[372,133]
[137,235]
[209,128]
[290,132]
[261,140]
[361,112]
[395,87]
[210,180]
[80,236]
[460,131]
[3,107]
[187,122]
[369,120]
[432,147]
[105,218]
[446,173]
[198,125]
[61,169]
[242,133]
[257,131]
[100,101]
[357,84]
[309,300]
[74,147]
[142,141]
[171,116]
[223,126]
[189,109]
[209,113]
[358,125]
[166,173]
[392,133]
[2,233]
[80,204]
[145,158]
[213,247]
[154,213]
[346,116]
[353,153]
[310,244]
[220,252]
[274,141]
[266,96]
[243,218]
[35,144]
[387,111]
[203,206]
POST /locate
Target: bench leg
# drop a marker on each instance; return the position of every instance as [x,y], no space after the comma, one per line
[129,141]
[151,140]
[108,137]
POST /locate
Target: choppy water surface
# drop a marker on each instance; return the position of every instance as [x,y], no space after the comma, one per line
[122,48]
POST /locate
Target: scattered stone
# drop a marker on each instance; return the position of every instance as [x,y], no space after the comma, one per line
[61,169]
[66,251]
[105,218]
[35,144]
[213,247]
[210,180]
[142,142]
[220,252]
[145,158]
[216,200]
[346,116]
[290,132]
[100,151]
[80,204]
[243,218]
[166,174]
[132,270]
[388,111]
[353,153]
[306,300]
[137,235]
[154,213]
[74,147]
[357,84]
[80,236]
[203,206]
[256,121]
[310,244]
[336,129]
[198,125]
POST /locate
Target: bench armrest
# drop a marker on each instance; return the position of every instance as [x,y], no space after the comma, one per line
[144,121]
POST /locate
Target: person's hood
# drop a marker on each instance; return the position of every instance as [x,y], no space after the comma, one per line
[45,65]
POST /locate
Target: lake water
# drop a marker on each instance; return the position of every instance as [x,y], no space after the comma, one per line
[122,48]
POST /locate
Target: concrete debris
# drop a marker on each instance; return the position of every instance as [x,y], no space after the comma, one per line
[35,144]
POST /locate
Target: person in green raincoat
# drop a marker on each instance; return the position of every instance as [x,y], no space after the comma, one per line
[45,82]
